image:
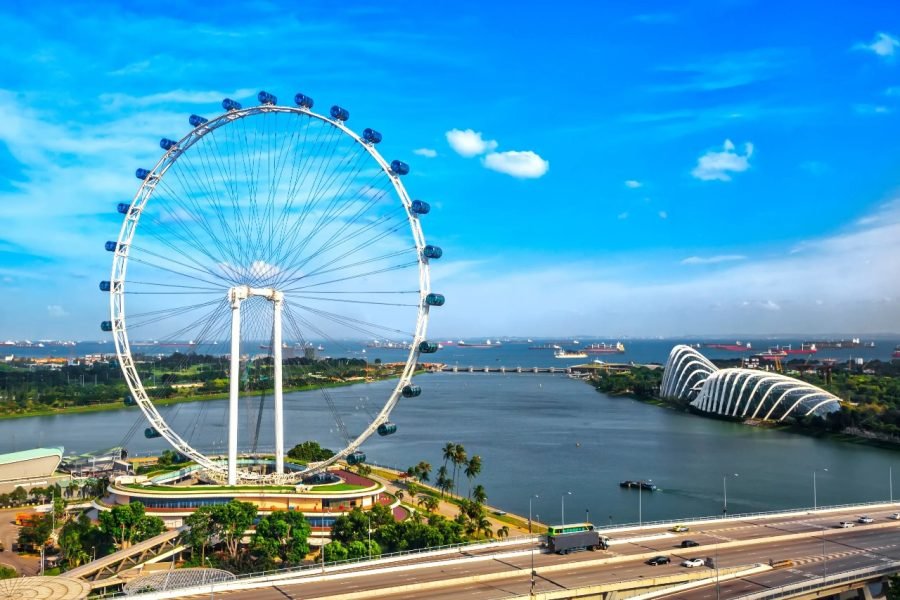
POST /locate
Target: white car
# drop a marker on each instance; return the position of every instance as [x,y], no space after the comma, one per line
[693,562]
[894,516]
[846,524]
[865,519]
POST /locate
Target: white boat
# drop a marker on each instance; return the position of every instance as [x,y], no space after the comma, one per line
[569,354]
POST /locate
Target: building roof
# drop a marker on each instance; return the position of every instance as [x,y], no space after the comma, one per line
[23,455]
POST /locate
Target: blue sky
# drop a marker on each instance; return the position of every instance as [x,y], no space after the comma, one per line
[596,169]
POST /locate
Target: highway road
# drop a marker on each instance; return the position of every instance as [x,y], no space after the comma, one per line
[812,541]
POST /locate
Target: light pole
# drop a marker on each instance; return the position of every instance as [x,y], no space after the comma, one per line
[891,483]
[563,507]
[725,494]
[815,499]
[530,498]
[531,593]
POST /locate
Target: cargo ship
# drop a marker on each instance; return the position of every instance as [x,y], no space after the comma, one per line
[771,354]
[735,347]
[486,344]
[603,348]
[851,343]
[803,349]
[570,354]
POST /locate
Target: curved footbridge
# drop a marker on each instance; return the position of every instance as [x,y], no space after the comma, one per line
[798,554]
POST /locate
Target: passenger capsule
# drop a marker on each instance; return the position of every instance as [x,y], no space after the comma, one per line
[434,299]
[398,167]
[197,120]
[371,136]
[432,251]
[428,347]
[303,101]
[150,433]
[419,207]
[339,114]
[111,246]
[142,173]
[265,97]
[122,208]
[167,144]
[106,325]
[129,400]
[355,458]
[387,428]
[411,391]
[229,104]
[105,286]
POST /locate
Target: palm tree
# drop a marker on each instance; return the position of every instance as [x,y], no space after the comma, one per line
[449,449]
[479,495]
[473,468]
[503,532]
[432,503]
[459,459]
[399,495]
[423,499]
[442,481]
[423,470]
[484,525]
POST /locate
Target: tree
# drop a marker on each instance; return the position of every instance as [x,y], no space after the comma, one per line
[484,525]
[59,510]
[335,551]
[399,495]
[503,532]
[423,470]
[200,529]
[473,468]
[479,495]
[443,482]
[431,503]
[127,524]
[459,459]
[231,521]
[282,535]
[309,452]
[36,533]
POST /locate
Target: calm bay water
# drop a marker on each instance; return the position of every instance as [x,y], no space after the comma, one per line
[537,434]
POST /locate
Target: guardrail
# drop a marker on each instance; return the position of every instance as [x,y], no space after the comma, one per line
[855,575]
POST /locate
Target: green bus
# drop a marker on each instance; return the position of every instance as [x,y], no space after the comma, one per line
[570,528]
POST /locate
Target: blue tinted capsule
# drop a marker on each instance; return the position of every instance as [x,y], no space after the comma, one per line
[150,433]
[106,325]
[355,458]
[303,101]
[420,207]
[387,428]
[371,136]
[398,167]
[129,401]
[339,114]
[167,144]
[430,251]
[142,173]
[428,348]
[111,246]
[229,104]
[411,391]
[434,299]
[105,286]
[122,208]
[197,120]
[265,97]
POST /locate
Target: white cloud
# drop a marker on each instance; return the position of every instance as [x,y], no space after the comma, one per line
[623,215]
[426,152]
[469,143]
[711,260]
[522,164]
[55,311]
[717,166]
[663,214]
[178,97]
[884,45]
[633,184]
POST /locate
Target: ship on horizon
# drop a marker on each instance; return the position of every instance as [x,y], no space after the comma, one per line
[561,353]
[735,347]
[804,348]
[486,344]
[604,348]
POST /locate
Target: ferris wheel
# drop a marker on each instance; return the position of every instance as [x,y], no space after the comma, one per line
[266,234]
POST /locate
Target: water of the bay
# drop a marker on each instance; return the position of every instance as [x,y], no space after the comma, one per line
[537,434]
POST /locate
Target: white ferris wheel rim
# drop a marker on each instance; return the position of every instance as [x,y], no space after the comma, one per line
[215,466]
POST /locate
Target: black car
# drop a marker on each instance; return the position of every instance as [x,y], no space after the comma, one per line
[689,544]
[659,560]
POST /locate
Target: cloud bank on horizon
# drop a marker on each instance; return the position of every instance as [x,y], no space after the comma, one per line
[715,185]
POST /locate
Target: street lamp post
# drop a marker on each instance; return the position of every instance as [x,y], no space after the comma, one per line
[530,498]
[891,483]
[563,507]
[815,498]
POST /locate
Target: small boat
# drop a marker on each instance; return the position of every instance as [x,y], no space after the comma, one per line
[604,348]
[569,354]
